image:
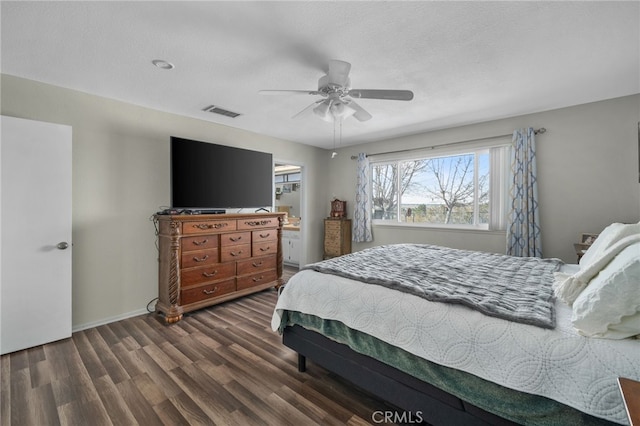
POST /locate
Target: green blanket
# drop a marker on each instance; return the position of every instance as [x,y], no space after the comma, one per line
[520,407]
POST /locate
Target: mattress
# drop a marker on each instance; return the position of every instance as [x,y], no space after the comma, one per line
[558,364]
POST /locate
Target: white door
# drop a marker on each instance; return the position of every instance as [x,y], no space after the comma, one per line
[35,254]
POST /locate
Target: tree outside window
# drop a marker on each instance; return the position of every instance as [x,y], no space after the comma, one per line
[451,190]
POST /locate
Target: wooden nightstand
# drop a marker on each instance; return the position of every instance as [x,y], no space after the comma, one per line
[630,390]
[580,249]
[337,237]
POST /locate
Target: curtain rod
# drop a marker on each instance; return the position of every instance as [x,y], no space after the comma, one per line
[537,132]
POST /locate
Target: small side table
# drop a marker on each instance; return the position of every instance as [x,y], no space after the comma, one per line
[630,390]
[580,249]
[337,237]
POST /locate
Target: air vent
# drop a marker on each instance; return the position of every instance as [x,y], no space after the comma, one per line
[221,111]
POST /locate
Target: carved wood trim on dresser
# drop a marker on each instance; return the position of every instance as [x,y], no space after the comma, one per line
[209,259]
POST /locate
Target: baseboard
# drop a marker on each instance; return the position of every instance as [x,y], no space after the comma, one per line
[104,321]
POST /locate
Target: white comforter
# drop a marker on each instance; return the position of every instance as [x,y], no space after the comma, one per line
[559,364]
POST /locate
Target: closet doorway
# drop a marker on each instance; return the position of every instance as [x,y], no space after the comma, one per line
[289,192]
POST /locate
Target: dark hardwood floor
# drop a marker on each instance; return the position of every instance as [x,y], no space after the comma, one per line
[218,366]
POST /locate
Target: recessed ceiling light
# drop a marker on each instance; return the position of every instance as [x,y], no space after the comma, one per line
[160,63]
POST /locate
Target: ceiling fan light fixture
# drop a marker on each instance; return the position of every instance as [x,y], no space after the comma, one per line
[341,110]
[323,111]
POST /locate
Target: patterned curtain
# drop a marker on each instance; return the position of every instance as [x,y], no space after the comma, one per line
[362,214]
[523,227]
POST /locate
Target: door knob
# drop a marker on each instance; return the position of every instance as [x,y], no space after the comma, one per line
[63,245]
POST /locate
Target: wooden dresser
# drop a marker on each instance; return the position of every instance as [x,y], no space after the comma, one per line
[209,259]
[337,237]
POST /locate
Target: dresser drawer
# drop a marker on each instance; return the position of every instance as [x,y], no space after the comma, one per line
[332,244]
[237,252]
[262,249]
[199,243]
[219,271]
[332,236]
[256,279]
[208,226]
[332,225]
[209,291]
[192,259]
[291,235]
[332,251]
[264,235]
[256,264]
[235,238]
[258,223]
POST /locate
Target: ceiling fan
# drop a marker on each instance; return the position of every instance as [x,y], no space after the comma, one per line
[335,89]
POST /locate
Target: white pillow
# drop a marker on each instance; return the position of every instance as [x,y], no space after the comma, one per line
[609,307]
[609,236]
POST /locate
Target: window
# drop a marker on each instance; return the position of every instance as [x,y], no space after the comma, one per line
[287,177]
[453,189]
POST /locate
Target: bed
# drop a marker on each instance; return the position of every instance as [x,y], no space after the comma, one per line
[447,362]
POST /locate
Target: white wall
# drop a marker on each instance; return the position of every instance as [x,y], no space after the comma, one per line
[588,166]
[587,171]
[121,177]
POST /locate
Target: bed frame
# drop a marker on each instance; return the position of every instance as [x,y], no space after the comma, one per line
[394,386]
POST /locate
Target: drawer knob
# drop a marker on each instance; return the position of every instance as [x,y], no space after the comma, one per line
[199,243]
[265,235]
[207,292]
[256,279]
[233,253]
[62,245]
[265,248]
[210,274]
[234,239]
[201,259]
[256,264]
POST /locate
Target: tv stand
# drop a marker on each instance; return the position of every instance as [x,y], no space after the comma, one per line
[206,259]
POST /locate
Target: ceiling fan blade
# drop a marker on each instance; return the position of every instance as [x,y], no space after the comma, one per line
[308,108]
[393,95]
[289,92]
[360,114]
[339,72]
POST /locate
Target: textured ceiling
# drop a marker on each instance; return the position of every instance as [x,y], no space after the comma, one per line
[466,62]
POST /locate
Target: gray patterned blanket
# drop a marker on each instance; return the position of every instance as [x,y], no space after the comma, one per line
[513,288]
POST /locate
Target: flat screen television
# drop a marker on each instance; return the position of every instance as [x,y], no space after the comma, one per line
[207,176]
